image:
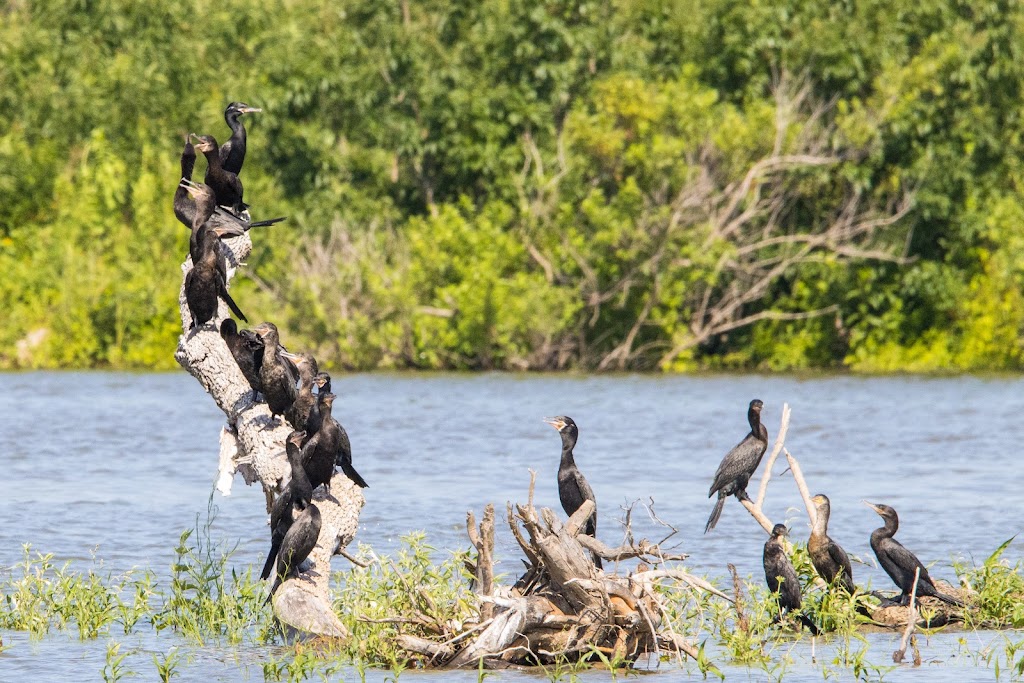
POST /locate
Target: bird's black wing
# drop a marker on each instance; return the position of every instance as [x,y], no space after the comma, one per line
[840,557]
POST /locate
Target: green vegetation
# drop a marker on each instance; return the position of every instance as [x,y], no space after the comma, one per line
[413,594]
[671,184]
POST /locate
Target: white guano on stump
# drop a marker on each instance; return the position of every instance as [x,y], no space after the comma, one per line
[302,605]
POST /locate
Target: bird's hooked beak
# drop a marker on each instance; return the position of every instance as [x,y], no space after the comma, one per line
[249,110]
[192,137]
[555,422]
[291,356]
[874,507]
[193,188]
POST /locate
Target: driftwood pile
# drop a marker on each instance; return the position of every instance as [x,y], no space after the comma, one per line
[563,608]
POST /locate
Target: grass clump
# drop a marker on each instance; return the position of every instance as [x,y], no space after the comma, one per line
[998,587]
[37,596]
[407,594]
[207,598]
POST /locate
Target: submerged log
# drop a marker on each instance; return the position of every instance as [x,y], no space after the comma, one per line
[253,445]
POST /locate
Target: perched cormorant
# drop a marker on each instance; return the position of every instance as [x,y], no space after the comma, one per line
[203,207]
[184,208]
[899,563]
[320,450]
[298,413]
[781,577]
[297,544]
[225,184]
[829,560]
[313,420]
[296,496]
[205,283]
[739,464]
[247,350]
[343,457]
[232,152]
[573,487]
[277,380]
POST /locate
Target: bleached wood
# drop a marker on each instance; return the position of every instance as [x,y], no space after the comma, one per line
[302,604]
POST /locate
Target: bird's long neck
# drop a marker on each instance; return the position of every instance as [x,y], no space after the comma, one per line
[568,443]
[202,214]
[188,162]
[295,460]
[237,128]
[886,531]
[213,159]
[820,527]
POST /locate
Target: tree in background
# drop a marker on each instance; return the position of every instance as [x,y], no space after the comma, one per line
[659,184]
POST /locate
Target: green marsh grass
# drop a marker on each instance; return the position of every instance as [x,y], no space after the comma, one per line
[405,594]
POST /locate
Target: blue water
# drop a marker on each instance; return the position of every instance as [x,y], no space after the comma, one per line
[107,469]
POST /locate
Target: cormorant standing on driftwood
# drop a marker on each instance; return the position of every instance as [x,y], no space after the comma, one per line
[320,451]
[297,544]
[296,496]
[899,563]
[739,464]
[247,350]
[226,185]
[343,458]
[232,152]
[313,419]
[829,559]
[781,576]
[204,284]
[184,208]
[277,380]
[304,399]
[573,487]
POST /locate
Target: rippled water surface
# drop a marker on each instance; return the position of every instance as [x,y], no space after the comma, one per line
[110,468]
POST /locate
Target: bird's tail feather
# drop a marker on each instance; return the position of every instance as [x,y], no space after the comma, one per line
[269,221]
[233,306]
[715,514]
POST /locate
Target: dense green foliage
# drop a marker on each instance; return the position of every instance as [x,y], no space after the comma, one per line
[528,185]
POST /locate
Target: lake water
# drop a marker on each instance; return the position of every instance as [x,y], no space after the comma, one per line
[108,469]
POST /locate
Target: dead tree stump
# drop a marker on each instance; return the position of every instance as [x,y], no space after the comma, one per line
[253,445]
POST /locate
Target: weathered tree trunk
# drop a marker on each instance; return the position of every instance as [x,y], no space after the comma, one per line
[253,445]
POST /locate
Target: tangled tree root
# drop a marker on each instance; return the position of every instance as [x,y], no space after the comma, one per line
[562,608]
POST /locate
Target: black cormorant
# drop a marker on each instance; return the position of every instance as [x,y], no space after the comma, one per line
[225,184]
[277,379]
[573,487]
[320,451]
[313,420]
[297,544]
[739,464]
[296,496]
[899,563]
[343,457]
[205,282]
[247,350]
[232,152]
[298,413]
[781,576]
[184,208]
[829,560]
